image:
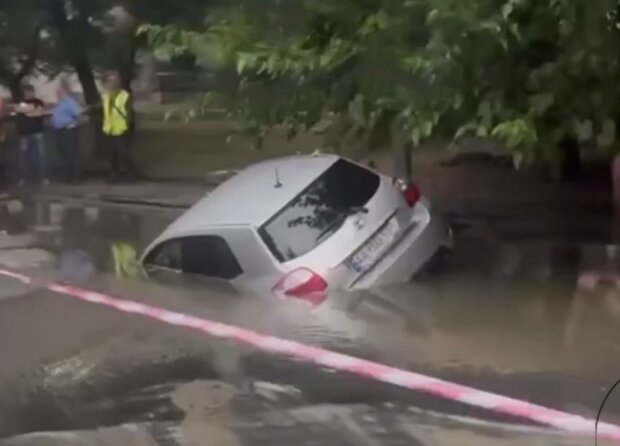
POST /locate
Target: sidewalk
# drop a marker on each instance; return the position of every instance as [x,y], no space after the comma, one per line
[156,194]
[468,188]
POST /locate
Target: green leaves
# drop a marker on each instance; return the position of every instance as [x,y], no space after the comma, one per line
[520,137]
[373,23]
[584,129]
[521,71]
[540,103]
[516,133]
[607,136]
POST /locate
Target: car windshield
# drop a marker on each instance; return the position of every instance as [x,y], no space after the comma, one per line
[319,211]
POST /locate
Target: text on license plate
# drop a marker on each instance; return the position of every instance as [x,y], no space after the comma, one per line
[375,247]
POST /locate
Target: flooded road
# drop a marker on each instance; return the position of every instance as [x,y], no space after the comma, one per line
[523,317]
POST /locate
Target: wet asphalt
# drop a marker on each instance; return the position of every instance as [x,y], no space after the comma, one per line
[521,314]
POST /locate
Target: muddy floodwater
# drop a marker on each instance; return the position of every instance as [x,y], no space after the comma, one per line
[531,316]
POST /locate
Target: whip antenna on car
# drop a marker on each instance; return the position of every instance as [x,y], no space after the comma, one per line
[278,182]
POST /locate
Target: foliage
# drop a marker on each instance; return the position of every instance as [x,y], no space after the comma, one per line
[555,67]
[300,65]
[25,43]
[528,72]
[46,36]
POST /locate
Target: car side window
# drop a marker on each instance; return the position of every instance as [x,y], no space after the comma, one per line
[209,256]
[166,256]
[206,255]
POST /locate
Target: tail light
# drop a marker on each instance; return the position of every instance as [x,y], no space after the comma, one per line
[410,191]
[302,284]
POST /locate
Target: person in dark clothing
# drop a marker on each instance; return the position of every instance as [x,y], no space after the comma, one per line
[30,127]
[4,113]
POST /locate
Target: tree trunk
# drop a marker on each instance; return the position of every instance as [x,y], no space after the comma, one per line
[615,181]
[15,83]
[76,53]
[75,50]
[401,161]
[127,66]
[570,164]
[401,149]
[405,154]
[124,41]
[14,78]
[15,87]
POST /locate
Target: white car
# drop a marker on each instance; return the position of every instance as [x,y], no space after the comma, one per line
[299,226]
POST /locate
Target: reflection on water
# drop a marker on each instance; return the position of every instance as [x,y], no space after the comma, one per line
[77,234]
[538,297]
[530,319]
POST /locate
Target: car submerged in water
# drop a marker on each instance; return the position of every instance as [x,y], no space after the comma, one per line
[300,226]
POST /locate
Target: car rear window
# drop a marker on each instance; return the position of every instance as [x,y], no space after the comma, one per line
[317,212]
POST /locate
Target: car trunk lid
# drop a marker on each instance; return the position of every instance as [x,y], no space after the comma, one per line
[340,224]
[363,238]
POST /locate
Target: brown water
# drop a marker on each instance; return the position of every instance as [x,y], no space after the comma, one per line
[521,317]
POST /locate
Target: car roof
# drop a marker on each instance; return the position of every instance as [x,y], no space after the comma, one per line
[251,197]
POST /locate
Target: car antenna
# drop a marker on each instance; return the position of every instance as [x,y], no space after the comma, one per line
[278,182]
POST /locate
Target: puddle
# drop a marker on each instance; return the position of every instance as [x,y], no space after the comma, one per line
[531,318]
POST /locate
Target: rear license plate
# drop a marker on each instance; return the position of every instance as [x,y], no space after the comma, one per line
[375,247]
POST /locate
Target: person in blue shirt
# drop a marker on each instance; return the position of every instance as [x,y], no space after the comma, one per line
[65,120]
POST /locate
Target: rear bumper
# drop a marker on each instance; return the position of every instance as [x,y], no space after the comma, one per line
[410,254]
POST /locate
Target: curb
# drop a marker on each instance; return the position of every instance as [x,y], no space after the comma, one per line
[567,422]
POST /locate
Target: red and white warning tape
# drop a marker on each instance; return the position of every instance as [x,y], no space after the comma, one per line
[373,370]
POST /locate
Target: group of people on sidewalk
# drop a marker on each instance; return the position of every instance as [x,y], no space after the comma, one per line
[31,116]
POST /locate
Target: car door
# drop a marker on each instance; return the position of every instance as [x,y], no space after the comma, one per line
[232,253]
[207,256]
[261,270]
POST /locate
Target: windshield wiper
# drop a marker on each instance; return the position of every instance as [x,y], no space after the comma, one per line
[353,210]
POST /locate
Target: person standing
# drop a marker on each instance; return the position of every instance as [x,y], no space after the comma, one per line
[4,112]
[117,126]
[30,127]
[65,121]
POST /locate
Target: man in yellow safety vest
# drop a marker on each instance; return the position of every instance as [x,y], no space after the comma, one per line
[117,127]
